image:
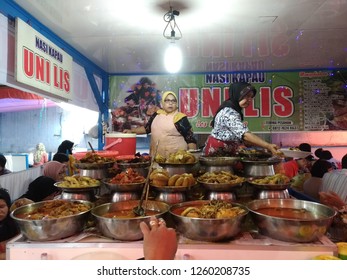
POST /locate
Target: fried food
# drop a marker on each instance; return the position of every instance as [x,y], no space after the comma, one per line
[78,182]
[221,177]
[216,209]
[277,179]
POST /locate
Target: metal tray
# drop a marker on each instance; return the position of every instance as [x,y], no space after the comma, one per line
[269,161]
[277,187]
[218,161]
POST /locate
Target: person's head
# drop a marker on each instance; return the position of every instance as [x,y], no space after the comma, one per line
[40,147]
[169,102]
[5,204]
[320,167]
[302,163]
[145,82]
[344,161]
[318,152]
[305,147]
[325,154]
[42,190]
[66,147]
[54,170]
[240,96]
[60,157]
[3,161]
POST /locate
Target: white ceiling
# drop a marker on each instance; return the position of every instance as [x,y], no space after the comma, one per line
[127,36]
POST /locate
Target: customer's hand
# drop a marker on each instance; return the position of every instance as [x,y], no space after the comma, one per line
[159,242]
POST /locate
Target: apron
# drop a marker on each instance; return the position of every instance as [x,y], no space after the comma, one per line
[170,140]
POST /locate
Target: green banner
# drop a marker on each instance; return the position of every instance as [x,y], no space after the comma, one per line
[285,101]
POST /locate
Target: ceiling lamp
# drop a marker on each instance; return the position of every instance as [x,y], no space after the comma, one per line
[173,54]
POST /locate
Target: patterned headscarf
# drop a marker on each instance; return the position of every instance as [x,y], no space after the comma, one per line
[237,91]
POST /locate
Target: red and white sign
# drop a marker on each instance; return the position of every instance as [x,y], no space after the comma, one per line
[40,63]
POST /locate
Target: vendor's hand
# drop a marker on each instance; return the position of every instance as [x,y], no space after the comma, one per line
[159,242]
[127,131]
[273,149]
[331,199]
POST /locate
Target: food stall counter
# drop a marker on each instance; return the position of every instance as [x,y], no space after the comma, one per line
[246,246]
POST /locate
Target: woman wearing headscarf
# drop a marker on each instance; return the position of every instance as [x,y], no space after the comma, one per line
[228,129]
[40,155]
[42,188]
[8,227]
[169,128]
[66,147]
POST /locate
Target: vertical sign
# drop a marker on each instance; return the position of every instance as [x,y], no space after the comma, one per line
[40,63]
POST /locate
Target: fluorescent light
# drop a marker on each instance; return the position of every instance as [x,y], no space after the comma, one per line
[173,58]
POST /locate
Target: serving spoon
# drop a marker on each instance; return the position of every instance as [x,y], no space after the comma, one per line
[139,210]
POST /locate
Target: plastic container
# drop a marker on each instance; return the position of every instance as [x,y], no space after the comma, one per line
[124,143]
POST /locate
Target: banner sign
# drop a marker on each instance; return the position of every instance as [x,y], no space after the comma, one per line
[40,63]
[285,101]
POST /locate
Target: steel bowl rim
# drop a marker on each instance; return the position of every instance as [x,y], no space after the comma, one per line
[289,219]
[12,214]
[127,219]
[274,187]
[203,202]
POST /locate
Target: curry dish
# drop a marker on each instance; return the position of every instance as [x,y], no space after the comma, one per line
[55,209]
[126,214]
[216,209]
[288,213]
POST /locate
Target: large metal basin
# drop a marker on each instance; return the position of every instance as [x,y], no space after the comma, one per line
[206,229]
[48,229]
[127,229]
[290,229]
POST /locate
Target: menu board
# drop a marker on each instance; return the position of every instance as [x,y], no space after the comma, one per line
[285,101]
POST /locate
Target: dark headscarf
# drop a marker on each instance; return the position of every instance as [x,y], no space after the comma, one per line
[40,188]
[43,186]
[8,227]
[237,91]
[5,196]
[60,157]
[65,147]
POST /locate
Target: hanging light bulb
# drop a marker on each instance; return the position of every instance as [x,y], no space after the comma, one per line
[173,54]
[173,58]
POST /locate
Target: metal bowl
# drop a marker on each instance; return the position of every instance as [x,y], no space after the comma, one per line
[78,189]
[218,161]
[94,165]
[219,187]
[273,187]
[206,229]
[289,229]
[178,168]
[132,187]
[93,173]
[50,229]
[126,229]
